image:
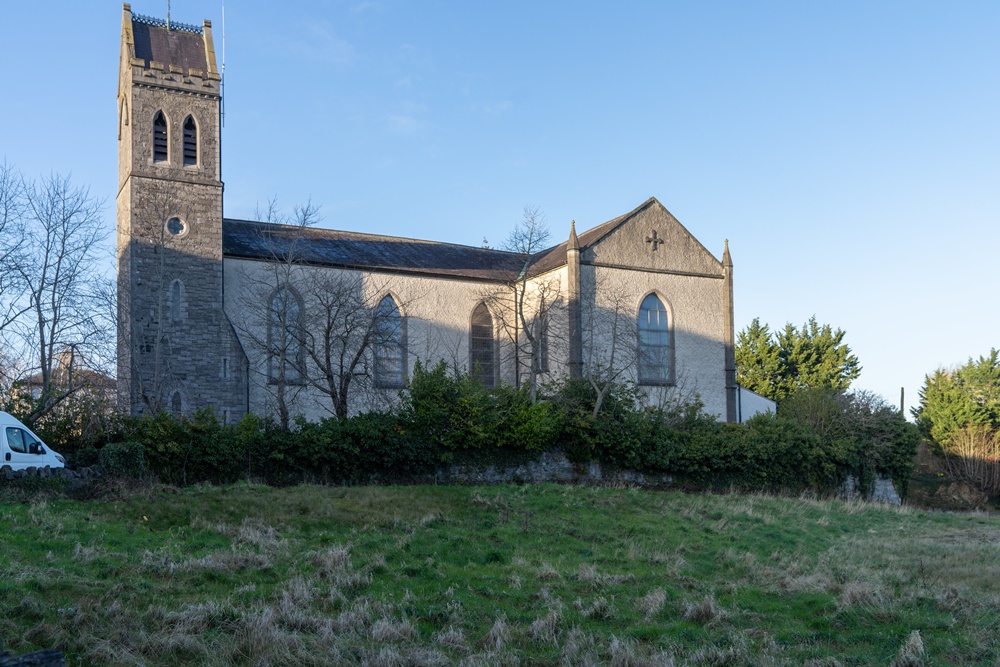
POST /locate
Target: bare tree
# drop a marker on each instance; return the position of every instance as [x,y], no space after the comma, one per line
[524,304]
[62,231]
[354,338]
[11,235]
[331,332]
[610,340]
[272,305]
[12,209]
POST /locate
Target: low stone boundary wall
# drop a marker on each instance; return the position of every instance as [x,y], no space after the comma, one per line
[553,466]
[36,659]
[76,483]
[8,474]
[550,466]
[882,490]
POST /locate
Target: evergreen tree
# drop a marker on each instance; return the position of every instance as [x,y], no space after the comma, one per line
[757,361]
[967,396]
[776,366]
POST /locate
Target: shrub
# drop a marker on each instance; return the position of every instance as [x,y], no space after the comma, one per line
[356,448]
[973,455]
[84,458]
[859,432]
[125,460]
[458,412]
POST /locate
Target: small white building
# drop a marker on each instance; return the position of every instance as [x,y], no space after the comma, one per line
[750,403]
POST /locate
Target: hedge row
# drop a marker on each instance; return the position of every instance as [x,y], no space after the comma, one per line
[815,441]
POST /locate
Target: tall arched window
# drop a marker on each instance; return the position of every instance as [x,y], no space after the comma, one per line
[176,294]
[654,342]
[190,142]
[388,344]
[540,349]
[159,137]
[482,349]
[176,406]
[284,336]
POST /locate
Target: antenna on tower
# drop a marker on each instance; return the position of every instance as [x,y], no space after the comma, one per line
[168,15]
[222,82]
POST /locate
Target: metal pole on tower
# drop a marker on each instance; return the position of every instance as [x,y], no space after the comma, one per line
[222,83]
[168,15]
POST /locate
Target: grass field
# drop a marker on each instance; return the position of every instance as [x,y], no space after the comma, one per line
[534,575]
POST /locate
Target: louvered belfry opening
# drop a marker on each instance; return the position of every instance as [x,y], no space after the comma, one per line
[190,142]
[159,138]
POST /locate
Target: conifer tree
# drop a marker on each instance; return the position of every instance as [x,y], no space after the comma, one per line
[968,396]
[776,366]
[757,361]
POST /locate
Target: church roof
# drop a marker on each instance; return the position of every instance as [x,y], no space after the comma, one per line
[327,247]
[182,45]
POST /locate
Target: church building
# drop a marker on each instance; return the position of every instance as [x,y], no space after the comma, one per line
[291,320]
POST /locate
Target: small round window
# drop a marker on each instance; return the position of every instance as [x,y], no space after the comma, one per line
[176,227]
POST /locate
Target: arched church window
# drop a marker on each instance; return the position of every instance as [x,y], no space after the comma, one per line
[175,404]
[284,336]
[388,344]
[654,342]
[540,349]
[176,294]
[482,347]
[190,142]
[159,137]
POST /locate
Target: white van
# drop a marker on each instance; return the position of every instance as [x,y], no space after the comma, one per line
[20,448]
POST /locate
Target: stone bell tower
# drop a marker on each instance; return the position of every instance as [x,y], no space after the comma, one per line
[176,348]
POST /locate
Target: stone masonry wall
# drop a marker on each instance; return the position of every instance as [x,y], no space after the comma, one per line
[190,349]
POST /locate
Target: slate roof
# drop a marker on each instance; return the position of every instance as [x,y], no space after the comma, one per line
[326,247]
[181,47]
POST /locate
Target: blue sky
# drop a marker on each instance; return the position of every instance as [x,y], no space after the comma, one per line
[849,151]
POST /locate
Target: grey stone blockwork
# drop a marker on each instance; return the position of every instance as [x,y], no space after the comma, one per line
[165,352]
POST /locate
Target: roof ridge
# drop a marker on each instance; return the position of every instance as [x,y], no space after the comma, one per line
[615,222]
[171,26]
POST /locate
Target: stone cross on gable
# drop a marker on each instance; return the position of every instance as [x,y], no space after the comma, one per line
[655,241]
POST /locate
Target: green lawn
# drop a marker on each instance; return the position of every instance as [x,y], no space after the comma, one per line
[511,575]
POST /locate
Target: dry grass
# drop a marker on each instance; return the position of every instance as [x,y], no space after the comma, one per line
[407,577]
[547,628]
[452,638]
[627,652]
[498,636]
[704,612]
[548,573]
[911,653]
[651,604]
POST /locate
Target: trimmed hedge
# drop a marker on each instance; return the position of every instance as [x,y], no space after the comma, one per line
[815,441]
[123,459]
